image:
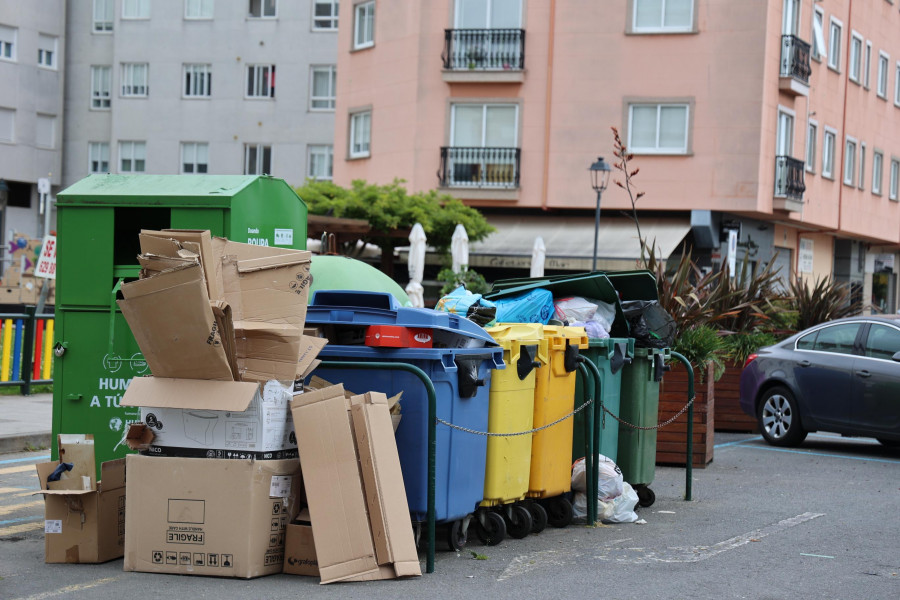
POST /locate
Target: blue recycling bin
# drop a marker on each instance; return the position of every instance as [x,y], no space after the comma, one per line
[459,364]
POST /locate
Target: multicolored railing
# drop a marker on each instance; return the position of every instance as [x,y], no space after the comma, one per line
[26,349]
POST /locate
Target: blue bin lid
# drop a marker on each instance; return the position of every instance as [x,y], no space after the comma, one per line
[341,307]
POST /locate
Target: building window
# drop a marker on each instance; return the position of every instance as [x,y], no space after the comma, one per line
[658,128]
[135,9]
[98,157]
[47,50]
[257,159]
[325,16]
[897,85]
[260,81]
[45,131]
[658,16]
[364,25]
[7,43]
[103,16]
[867,66]
[197,81]
[263,9]
[194,157]
[877,172]
[818,34]
[882,84]
[360,134]
[811,140]
[101,84]
[132,157]
[198,9]
[895,179]
[7,125]
[849,161]
[862,166]
[321,162]
[322,88]
[135,78]
[856,52]
[834,44]
[483,148]
[828,142]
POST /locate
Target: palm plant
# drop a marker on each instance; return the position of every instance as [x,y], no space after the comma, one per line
[823,299]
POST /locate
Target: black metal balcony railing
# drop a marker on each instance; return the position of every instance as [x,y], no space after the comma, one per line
[480,167]
[789,178]
[484,49]
[795,58]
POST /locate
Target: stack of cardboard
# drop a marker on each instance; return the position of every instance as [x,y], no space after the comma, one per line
[20,286]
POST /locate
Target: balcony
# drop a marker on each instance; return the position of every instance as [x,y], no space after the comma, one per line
[479,55]
[789,186]
[480,168]
[794,74]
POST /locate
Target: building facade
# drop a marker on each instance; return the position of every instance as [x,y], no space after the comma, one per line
[778,120]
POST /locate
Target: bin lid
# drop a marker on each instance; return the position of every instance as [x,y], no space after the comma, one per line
[345,273]
[638,284]
[517,332]
[355,307]
[577,336]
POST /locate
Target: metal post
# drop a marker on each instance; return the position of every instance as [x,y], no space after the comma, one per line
[689,464]
[432,437]
[589,485]
[596,231]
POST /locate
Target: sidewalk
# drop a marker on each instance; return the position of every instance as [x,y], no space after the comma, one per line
[25,421]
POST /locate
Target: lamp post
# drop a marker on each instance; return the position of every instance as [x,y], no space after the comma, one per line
[600,171]
[4,200]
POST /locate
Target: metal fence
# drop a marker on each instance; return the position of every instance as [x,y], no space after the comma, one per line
[26,349]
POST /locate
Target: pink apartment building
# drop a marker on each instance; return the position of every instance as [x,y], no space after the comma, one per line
[777,119]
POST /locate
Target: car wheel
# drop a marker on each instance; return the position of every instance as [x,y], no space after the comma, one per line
[779,418]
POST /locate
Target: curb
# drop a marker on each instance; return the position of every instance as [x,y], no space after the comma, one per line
[20,441]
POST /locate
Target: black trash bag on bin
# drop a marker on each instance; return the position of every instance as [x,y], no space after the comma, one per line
[651,326]
[481,314]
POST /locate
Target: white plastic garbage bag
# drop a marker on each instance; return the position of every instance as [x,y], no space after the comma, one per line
[616,499]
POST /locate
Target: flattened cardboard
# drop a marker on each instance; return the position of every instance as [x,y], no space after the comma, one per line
[203,239]
[267,351]
[193,516]
[174,326]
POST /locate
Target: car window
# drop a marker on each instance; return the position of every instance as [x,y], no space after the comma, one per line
[883,342]
[837,338]
[807,341]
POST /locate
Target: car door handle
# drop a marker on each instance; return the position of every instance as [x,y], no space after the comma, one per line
[863,374]
[804,363]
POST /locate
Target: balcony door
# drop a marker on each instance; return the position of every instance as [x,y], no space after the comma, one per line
[784,141]
[487,35]
[790,24]
[488,14]
[483,144]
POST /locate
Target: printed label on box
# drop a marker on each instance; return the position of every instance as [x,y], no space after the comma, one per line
[280,486]
[284,237]
[53,526]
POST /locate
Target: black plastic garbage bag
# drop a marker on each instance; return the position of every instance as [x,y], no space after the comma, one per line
[651,326]
[481,314]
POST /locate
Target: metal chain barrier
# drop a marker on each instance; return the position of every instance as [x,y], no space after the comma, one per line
[657,426]
[529,432]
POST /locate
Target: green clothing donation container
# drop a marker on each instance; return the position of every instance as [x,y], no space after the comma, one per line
[98,222]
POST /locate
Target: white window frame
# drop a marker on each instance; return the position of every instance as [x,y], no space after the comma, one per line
[135,9]
[193,148]
[894,185]
[259,167]
[881,85]
[257,72]
[132,151]
[200,75]
[812,140]
[818,37]
[659,106]
[132,84]
[850,147]
[53,136]
[834,43]
[199,10]
[262,10]
[897,85]
[662,28]
[867,65]
[8,44]
[877,171]
[332,18]
[101,99]
[320,152]
[47,57]
[854,70]
[360,125]
[328,99]
[862,166]
[362,13]
[829,142]
[103,16]
[12,126]
[96,152]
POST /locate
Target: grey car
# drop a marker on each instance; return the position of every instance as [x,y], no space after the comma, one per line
[842,376]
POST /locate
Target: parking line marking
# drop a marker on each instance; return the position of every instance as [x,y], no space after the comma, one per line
[70,589]
[10,461]
[884,460]
[726,444]
[11,508]
[7,531]
[21,520]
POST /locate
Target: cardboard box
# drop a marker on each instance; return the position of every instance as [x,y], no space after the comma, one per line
[84,519]
[12,276]
[194,240]
[192,516]
[300,550]
[215,419]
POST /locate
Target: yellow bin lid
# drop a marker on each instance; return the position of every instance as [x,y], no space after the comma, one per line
[575,335]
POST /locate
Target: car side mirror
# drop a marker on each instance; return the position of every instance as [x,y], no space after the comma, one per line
[896,357]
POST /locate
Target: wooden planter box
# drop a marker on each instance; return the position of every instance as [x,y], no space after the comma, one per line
[671,442]
[729,416]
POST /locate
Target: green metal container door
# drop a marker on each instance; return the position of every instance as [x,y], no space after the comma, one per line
[98,222]
[639,406]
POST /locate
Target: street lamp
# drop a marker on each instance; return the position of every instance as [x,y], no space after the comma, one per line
[600,171]
[4,200]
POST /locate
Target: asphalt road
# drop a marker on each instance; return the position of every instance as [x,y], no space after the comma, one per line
[820,521]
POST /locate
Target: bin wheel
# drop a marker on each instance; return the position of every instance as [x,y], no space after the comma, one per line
[456,537]
[646,497]
[538,517]
[492,531]
[560,512]
[519,522]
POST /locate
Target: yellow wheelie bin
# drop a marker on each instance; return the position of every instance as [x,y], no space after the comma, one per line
[551,448]
[510,410]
